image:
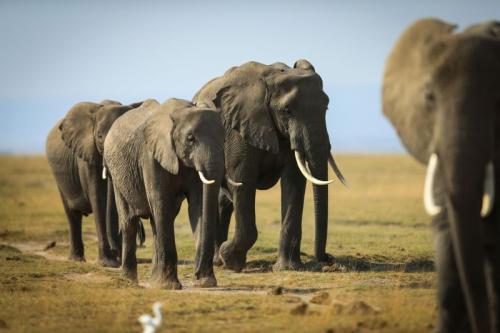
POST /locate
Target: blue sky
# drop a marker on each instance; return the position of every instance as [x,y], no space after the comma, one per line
[56,53]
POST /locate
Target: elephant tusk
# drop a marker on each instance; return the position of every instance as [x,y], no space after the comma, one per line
[306,174]
[103,172]
[489,190]
[336,169]
[232,182]
[204,180]
[430,206]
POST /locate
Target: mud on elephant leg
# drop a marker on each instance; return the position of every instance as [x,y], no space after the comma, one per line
[293,187]
[224,218]
[452,314]
[234,252]
[76,251]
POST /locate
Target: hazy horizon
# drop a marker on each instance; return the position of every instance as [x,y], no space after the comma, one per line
[56,53]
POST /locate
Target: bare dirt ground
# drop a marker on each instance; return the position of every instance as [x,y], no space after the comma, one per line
[382,279]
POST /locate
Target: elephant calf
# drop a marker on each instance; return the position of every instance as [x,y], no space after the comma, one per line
[74,151]
[158,155]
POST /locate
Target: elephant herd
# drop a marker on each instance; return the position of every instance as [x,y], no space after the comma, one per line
[257,124]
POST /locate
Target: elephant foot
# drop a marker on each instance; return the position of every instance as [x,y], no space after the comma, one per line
[165,277]
[111,262]
[288,265]
[217,259]
[233,259]
[166,283]
[76,257]
[130,274]
[205,282]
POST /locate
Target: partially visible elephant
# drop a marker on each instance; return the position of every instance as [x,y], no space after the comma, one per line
[441,91]
[275,128]
[158,155]
[74,150]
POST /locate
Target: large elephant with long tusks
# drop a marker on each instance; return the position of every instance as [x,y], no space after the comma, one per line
[441,92]
[74,150]
[157,156]
[275,128]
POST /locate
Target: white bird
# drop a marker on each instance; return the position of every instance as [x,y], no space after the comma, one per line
[151,324]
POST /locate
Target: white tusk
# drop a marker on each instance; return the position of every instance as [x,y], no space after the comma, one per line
[430,206]
[103,172]
[232,182]
[306,174]
[336,169]
[204,180]
[489,190]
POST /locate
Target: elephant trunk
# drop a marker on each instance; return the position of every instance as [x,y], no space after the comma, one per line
[464,188]
[319,167]
[204,259]
[317,151]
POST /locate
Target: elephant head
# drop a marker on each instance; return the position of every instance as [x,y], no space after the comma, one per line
[441,92]
[269,103]
[180,131]
[86,125]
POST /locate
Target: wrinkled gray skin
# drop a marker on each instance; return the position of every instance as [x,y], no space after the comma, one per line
[154,154]
[441,92]
[74,151]
[268,112]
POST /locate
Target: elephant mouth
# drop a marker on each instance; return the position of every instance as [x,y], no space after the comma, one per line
[305,170]
[488,192]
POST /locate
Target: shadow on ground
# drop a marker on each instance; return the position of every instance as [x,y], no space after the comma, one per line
[347,264]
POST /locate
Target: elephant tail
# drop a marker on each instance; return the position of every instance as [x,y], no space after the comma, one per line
[141,233]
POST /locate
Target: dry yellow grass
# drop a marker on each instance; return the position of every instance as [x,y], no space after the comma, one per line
[378,233]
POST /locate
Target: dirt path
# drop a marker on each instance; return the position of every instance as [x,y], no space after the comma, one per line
[38,249]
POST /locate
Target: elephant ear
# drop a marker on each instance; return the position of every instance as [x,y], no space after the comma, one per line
[77,131]
[158,131]
[408,94]
[244,102]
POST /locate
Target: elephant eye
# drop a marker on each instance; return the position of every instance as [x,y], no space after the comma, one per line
[287,111]
[190,138]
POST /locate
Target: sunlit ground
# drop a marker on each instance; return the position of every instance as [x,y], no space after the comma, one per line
[382,280]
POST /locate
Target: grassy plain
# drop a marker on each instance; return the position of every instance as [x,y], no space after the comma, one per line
[382,281]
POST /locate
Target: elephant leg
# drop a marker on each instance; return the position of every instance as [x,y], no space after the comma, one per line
[76,251]
[164,274]
[223,220]
[452,315]
[293,186]
[112,227]
[98,196]
[128,225]
[234,252]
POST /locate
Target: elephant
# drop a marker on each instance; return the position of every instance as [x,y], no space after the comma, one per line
[441,92]
[74,149]
[274,117]
[157,156]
